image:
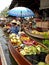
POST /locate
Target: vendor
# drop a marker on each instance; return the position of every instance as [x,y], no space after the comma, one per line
[14,28]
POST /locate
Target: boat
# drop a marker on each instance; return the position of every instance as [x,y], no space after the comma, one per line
[0,61]
[35,35]
[21,60]
[15,49]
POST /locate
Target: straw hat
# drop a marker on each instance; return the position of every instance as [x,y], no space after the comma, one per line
[14,21]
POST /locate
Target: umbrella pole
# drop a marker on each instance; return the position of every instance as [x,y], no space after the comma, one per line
[21,17]
[21,23]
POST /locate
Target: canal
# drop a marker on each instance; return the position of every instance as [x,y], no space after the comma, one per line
[4,44]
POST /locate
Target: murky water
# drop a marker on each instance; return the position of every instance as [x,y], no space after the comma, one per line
[3,40]
[13,62]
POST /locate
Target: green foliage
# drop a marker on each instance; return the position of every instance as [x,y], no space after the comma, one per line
[4,12]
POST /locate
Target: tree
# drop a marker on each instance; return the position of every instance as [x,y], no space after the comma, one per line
[4,12]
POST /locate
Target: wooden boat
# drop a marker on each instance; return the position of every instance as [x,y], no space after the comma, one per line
[0,62]
[21,60]
[17,56]
[34,35]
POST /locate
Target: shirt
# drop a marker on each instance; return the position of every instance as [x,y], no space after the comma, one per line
[14,30]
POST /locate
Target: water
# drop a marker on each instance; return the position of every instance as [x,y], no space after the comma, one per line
[13,62]
[3,40]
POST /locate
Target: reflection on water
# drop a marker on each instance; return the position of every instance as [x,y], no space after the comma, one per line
[13,62]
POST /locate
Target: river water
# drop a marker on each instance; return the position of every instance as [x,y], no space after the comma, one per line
[4,44]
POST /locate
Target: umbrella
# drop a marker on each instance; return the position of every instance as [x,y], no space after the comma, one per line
[21,12]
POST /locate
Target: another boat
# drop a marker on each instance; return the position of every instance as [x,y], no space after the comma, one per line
[34,35]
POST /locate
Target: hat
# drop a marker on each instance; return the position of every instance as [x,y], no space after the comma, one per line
[14,21]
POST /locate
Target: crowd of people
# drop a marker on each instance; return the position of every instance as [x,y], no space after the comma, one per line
[16,25]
